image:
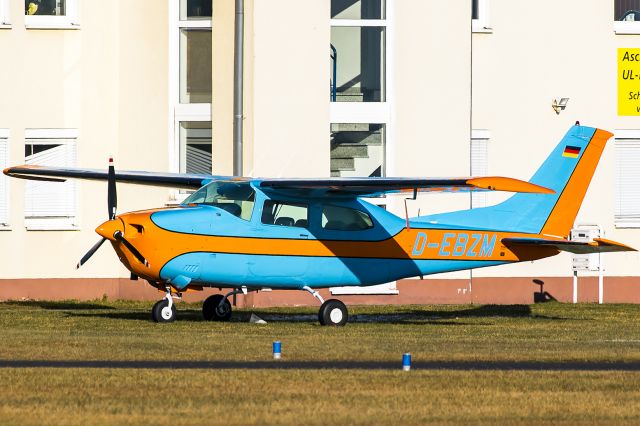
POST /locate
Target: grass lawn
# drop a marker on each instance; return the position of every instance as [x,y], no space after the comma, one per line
[548,363]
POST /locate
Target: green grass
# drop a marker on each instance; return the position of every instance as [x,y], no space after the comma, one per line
[465,337]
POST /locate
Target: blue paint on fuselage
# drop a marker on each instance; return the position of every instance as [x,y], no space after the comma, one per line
[294,272]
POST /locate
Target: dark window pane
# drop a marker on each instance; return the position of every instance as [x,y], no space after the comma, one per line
[195,66]
[345,219]
[45,7]
[357,9]
[195,9]
[627,10]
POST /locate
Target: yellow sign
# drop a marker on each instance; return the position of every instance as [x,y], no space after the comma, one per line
[628,81]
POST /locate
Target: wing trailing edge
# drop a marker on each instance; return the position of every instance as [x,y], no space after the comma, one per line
[598,245]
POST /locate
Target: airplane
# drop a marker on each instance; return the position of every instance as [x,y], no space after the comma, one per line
[250,234]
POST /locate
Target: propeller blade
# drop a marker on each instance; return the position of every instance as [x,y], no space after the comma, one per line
[92,250]
[112,196]
[118,236]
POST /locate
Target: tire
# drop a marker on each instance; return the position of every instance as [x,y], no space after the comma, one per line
[162,313]
[211,311]
[333,312]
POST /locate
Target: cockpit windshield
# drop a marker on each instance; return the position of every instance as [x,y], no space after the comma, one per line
[237,198]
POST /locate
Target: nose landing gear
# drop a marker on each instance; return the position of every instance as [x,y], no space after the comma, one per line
[165,310]
[332,312]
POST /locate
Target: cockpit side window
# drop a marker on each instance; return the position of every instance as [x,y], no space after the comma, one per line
[285,214]
[345,219]
[237,198]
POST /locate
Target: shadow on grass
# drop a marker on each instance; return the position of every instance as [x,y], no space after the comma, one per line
[331,365]
[402,316]
[58,305]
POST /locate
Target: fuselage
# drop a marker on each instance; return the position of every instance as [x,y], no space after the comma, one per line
[252,239]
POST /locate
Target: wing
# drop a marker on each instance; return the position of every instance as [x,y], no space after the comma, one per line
[374,187]
[598,245]
[59,174]
[348,187]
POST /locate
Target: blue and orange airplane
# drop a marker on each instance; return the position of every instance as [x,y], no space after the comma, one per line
[249,234]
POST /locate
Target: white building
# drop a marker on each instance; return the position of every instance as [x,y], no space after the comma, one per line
[421,88]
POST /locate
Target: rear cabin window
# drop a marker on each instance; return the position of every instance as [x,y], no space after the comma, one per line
[285,214]
[345,219]
[237,198]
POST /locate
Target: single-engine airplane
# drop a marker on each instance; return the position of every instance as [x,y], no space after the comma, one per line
[248,234]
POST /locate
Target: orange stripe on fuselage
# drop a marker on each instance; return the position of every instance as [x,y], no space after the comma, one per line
[160,246]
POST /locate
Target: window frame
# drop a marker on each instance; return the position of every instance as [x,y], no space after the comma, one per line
[620,222]
[481,24]
[181,112]
[68,21]
[53,223]
[5,14]
[5,222]
[483,137]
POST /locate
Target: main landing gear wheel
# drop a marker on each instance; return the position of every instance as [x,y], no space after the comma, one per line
[162,312]
[213,310]
[333,312]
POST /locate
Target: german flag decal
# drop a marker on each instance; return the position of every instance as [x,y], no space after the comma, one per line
[571,151]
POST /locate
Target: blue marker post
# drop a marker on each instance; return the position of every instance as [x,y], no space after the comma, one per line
[277,353]
[406,362]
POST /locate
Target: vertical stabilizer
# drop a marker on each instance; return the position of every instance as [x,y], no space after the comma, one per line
[567,170]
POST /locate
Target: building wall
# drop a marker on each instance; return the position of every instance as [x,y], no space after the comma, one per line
[108,80]
[564,49]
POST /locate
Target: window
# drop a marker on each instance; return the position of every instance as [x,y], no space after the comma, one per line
[5,21]
[345,219]
[357,50]
[50,205]
[190,86]
[4,180]
[237,198]
[285,214]
[626,14]
[480,16]
[195,147]
[627,191]
[357,150]
[479,164]
[60,14]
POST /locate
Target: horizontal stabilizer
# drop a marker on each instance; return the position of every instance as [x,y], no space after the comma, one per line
[598,245]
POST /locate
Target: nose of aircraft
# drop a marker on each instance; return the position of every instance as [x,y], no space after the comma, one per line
[109,228]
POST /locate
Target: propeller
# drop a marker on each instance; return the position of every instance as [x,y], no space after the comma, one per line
[112,205]
[134,251]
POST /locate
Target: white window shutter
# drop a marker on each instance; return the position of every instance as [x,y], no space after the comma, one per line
[4,186]
[627,194]
[479,167]
[50,200]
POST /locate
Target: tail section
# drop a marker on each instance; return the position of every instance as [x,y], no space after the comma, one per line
[568,171]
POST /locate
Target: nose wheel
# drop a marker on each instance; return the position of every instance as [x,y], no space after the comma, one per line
[164,310]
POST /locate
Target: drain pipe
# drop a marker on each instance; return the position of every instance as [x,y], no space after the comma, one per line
[238,73]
